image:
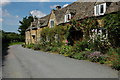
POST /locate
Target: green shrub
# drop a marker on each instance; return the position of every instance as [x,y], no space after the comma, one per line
[55,34]
[98,45]
[23,45]
[102,61]
[116,64]
[55,49]
[37,47]
[81,55]
[30,45]
[80,46]
[78,56]
[74,51]
[114,57]
[66,50]
[46,48]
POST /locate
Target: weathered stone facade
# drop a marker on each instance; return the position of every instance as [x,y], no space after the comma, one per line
[52,17]
[77,10]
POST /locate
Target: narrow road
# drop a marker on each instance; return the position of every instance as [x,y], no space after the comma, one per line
[27,63]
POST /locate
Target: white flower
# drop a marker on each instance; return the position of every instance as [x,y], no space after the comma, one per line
[93,30]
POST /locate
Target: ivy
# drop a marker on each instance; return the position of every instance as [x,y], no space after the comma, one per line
[112,24]
[55,34]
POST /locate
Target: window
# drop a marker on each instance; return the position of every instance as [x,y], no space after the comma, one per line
[33,36]
[51,23]
[67,17]
[100,33]
[100,9]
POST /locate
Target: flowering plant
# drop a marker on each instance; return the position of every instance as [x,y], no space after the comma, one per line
[95,56]
[66,41]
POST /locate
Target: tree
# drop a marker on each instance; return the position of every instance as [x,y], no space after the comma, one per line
[25,23]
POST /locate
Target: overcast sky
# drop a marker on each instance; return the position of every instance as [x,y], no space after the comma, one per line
[12,12]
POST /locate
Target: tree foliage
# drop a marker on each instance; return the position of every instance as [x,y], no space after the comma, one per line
[8,37]
[25,23]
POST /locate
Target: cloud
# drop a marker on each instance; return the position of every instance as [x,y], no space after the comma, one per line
[9,21]
[4,2]
[1,20]
[54,6]
[5,12]
[37,13]
[65,5]
[17,16]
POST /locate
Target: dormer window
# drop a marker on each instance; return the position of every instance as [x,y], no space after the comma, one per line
[51,23]
[67,17]
[100,9]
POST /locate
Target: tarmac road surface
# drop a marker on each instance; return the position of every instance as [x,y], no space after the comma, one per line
[26,63]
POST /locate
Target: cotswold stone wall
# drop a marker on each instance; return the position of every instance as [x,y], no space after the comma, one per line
[38,35]
[52,17]
[27,37]
[33,36]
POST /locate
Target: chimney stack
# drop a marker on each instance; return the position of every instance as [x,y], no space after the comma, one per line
[58,7]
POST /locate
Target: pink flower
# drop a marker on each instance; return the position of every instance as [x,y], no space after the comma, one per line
[66,41]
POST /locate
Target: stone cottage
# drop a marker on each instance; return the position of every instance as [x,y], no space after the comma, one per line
[77,11]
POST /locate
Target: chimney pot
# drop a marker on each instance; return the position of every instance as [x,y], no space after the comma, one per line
[58,7]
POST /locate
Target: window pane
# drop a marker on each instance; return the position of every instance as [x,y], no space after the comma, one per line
[68,17]
[52,23]
[97,10]
[101,9]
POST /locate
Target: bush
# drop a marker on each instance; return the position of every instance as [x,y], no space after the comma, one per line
[80,46]
[55,49]
[23,45]
[66,50]
[98,45]
[30,45]
[81,55]
[114,57]
[37,47]
[47,48]
[74,51]
[96,56]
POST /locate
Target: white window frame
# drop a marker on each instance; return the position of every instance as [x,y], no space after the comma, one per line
[97,9]
[53,23]
[104,8]
[66,17]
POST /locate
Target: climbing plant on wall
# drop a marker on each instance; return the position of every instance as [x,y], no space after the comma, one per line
[55,34]
[112,24]
[88,24]
[85,25]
